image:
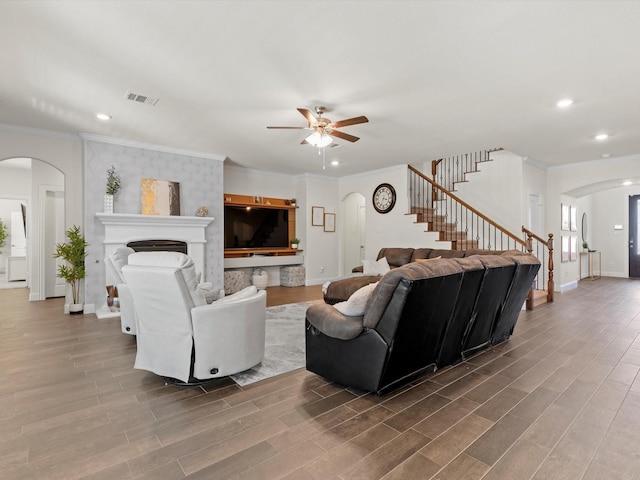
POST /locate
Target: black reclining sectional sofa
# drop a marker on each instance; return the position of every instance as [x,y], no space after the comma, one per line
[420,316]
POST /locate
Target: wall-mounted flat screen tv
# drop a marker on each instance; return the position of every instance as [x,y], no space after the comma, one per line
[255,227]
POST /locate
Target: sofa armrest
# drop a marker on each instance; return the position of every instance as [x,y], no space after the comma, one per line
[229,336]
[332,323]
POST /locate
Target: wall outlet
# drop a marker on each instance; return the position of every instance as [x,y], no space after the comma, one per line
[321,269]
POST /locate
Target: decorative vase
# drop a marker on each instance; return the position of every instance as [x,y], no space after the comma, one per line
[260,280]
[108,203]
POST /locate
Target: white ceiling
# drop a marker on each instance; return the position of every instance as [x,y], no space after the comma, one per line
[434,78]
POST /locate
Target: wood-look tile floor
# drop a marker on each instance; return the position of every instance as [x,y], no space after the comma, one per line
[559,400]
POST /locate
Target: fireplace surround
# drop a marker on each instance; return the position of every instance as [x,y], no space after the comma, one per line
[120,229]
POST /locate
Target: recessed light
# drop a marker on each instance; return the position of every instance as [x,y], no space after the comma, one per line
[606,155]
[602,136]
[564,103]
[335,163]
[626,183]
[103,116]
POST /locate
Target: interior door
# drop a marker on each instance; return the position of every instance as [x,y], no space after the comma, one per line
[53,233]
[634,242]
[353,239]
[535,214]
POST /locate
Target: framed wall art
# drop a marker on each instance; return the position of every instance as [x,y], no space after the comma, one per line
[566,249]
[317,216]
[573,248]
[564,217]
[159,197]
[329,222]
[573,218]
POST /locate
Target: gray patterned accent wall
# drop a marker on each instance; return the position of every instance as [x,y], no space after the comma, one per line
[201,184]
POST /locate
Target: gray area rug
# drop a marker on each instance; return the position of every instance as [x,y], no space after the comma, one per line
[284,344]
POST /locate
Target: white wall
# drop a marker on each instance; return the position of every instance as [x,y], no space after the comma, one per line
[61,151]
[488,190]
[573,178]
[322,250]
[200,185]
[393,229]
[611,207]
[534,181]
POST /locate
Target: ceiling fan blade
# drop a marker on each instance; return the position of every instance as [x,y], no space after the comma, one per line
[294,128]
[349,121]
[308,115]
[344,136]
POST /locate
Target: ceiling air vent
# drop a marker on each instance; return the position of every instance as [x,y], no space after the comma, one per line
[135,97]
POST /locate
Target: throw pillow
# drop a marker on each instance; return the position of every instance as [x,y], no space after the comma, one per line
[235,297]
[354,307]
[371,267]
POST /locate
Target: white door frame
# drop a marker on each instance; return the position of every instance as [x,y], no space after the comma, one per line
[42,197]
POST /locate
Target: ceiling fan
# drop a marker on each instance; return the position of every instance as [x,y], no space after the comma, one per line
[324,130]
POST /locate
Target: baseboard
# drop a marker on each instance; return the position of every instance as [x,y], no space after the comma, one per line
[568,286]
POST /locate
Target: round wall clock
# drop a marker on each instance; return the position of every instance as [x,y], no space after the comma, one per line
[384,198]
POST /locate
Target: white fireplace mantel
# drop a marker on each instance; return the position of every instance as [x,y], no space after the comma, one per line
[122,228]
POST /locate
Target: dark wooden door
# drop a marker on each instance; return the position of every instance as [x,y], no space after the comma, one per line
[634,241]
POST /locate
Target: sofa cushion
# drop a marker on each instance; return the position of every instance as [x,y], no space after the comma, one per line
[427,259]
[176,260]
[419,253]
[386,287]
[341,290]
[395,256]
[438,252]
[479,251]
[332,323]
[379,267]
[354,306]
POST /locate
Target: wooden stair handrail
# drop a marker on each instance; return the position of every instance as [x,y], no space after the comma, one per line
[511,235]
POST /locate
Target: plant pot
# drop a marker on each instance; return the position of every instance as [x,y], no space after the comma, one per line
[76,308]
[294,246]
[108,203]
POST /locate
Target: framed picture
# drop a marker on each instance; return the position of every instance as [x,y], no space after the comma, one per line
[329,222]
[317,216]
[566,252]
[159,197]
[564,217]
[573,249]
[573,219]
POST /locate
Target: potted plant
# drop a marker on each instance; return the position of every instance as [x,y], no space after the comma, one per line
[585,246]
[295,242]
[293,202]
[4,234]
[74,253]
[113,185]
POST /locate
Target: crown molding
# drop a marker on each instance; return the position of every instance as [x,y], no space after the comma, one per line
[40,132]
[149,146]
[601,161]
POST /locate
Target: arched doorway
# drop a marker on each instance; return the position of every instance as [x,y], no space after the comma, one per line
[42,187]
[354,238]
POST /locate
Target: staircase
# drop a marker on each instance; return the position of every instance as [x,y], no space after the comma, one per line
[449,171]
[466,228]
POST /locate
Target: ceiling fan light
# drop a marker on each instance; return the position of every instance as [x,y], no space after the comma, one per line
[319,140]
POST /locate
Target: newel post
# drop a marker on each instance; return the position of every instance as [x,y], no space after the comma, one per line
[550,283]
